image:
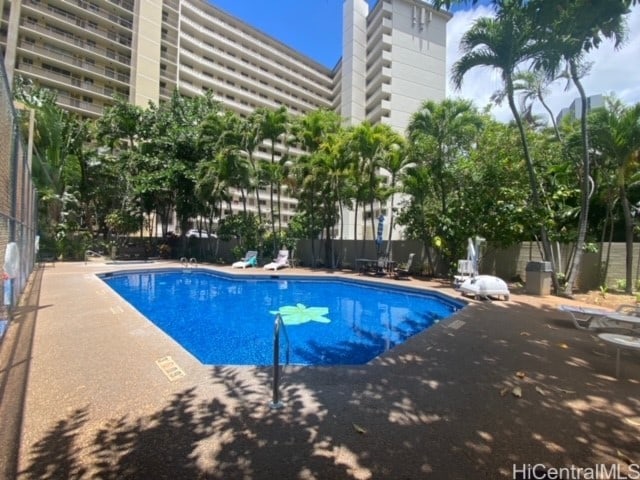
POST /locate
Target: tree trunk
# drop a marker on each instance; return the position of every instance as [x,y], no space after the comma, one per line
[533,183]
[628,238]
[585,185]
[389,252]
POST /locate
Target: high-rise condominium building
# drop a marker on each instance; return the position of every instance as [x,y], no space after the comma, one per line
[393,58]
[574,110]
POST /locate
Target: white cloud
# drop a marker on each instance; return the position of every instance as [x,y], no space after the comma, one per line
[613,71]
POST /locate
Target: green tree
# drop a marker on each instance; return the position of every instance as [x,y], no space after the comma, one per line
[172,140]
[441,134]
[367,145]
[273,126]
[615,131]
[311,132]
[533,86]
[251,138]
[61,163]
[395,162]
[119,129]
[503,43]
[568,30]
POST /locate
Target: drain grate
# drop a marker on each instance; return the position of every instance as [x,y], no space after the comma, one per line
[170,368]
[456,324]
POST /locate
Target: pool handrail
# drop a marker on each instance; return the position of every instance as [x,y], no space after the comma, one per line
[275,399]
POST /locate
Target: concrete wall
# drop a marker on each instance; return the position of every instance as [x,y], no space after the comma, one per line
[418,66]
[507,263]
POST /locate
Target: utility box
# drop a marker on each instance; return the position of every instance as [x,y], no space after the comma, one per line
[538,281]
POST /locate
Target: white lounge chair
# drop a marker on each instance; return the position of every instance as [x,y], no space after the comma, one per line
[250,259]
[281,261]
[485,286]
[594,318]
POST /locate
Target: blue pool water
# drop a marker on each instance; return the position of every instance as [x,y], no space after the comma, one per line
[225,320]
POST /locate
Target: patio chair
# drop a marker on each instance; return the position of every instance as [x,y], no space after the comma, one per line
[281,261]
[381,265]
[250,259]
[403,271]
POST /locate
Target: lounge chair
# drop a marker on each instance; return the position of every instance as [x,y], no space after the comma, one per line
[404,270]
[281,261]
[485,286]
[593,318]
[250,259]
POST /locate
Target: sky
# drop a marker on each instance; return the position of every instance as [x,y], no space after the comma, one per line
[314,27]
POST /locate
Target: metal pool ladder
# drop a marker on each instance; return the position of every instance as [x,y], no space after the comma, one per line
[278,324]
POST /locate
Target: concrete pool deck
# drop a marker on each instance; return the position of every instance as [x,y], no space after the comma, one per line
[90,389]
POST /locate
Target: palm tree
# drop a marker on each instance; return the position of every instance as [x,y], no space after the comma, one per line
[504,43]
[568,29]
[312,131]
[395,161]
[250,138]
[442,131]
[220,138]
[273,125]
[616,134]
[309,179]
[335,161]
[416,216]
[534,86]
[366,146]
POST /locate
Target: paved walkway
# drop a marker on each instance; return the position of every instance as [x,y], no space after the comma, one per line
[82,396]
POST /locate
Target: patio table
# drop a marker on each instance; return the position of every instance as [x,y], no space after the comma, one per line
[364,264]
[620,341]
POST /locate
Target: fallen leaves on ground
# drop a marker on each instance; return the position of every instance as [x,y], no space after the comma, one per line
[624,458]
[633,421]
[359,429]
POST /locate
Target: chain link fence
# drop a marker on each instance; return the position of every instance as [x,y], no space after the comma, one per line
[18,212]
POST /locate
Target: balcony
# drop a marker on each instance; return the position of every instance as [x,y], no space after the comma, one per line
[78,44]
[305,101]
[81,107]
[281,59]
[81,26]
[67,81]
[74,63]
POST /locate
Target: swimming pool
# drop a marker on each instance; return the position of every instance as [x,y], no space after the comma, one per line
[227,320]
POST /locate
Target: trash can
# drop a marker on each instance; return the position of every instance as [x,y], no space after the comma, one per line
[538,278]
